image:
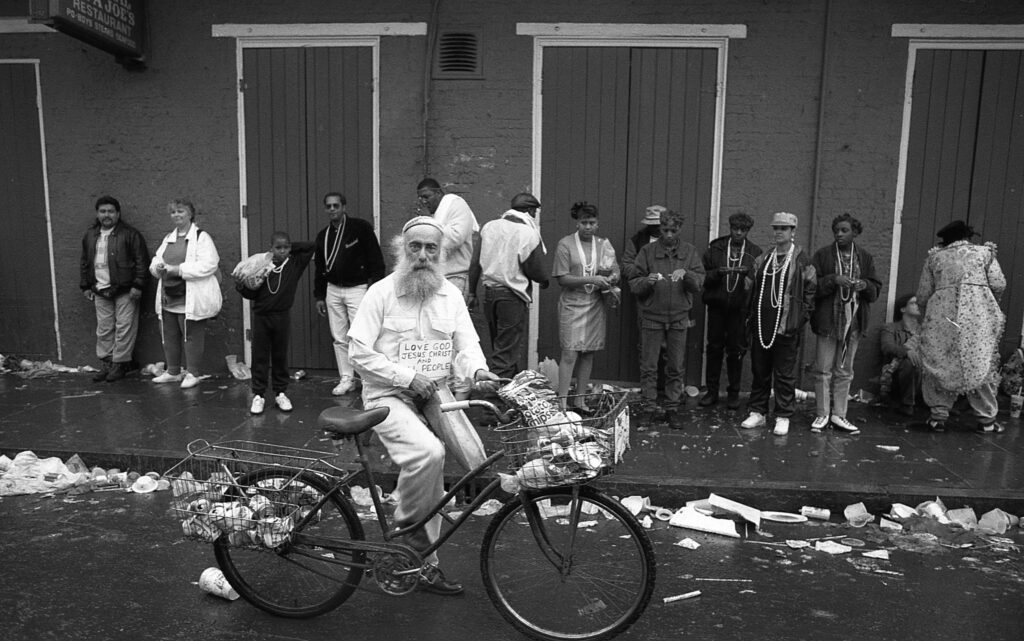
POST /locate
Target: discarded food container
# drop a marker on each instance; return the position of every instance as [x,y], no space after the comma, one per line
[212,580]
[819,513]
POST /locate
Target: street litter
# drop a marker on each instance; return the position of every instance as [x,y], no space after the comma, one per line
[680,597]
[889,448]
[886,524]
[716,580]
[688,543]
[490,506]
[901,511]
[797,545]
[748,513]
[858,515]
[996,522]
[238,369]
[819,513]
[889,572]
[831,547]
[212,580]
[783,517]
[852,542]
[647,522]
[964,517]
[877,554]
[688,517]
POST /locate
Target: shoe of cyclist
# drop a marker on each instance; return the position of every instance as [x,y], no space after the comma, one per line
[434,581]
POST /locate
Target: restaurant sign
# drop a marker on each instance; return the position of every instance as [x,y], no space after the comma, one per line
[115,26]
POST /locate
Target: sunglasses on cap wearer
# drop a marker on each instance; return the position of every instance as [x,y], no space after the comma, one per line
[782,227]
[332,205]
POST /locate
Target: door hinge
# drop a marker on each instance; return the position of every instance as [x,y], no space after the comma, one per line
[245,211]
[248,335]
[241,85]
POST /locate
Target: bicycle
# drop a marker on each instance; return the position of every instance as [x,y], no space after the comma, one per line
[300,550]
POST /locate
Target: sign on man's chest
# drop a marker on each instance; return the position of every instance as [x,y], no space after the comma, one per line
[432,358]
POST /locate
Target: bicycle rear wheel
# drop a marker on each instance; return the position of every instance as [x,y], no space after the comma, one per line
[297,580]
[596,580]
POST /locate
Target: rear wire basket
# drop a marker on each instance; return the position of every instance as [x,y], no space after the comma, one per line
[212,498]
[568,452]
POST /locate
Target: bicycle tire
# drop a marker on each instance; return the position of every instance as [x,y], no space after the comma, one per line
[610,579]
[296,581]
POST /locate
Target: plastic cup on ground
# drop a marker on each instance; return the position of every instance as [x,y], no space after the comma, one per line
[1016,402]
[212,580]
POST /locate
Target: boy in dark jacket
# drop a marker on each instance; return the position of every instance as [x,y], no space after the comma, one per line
[728,265]
[666,275]
[271,317]
[781,301]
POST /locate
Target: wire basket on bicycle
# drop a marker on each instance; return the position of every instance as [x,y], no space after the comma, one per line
[566,448]
[215,491]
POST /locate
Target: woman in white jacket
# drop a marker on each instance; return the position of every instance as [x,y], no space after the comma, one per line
[187,295]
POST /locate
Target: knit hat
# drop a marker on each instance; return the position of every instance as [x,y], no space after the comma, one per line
[652,215]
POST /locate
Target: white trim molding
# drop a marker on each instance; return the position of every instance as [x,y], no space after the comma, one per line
[615,31]
[22,25]
[626,35]
[312,31]
[958,31]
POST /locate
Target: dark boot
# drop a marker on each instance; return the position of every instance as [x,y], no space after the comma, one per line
[710,397]
[117,372]
[101,375]
[734,365]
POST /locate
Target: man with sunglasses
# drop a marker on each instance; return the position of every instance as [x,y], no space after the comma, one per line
[348,260]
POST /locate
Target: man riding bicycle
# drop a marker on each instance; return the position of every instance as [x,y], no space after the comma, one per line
[415,308]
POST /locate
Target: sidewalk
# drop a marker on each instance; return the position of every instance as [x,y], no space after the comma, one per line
[134,424]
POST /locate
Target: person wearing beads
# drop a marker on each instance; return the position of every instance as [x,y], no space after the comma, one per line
[847,285]
[348,260]
[271,317]
[587,271]
[781,301]
[666,275]
[728,262]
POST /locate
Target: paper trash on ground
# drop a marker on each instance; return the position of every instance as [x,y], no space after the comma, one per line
[750,514]
[877,554]
[858,515]
[689,518]
[688,543]
[831,547]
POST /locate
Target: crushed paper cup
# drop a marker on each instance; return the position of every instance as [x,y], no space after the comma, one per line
[212,580]
[901,511]
[144,485]
[964,517]
[858,515]
[994,522]
[635,504]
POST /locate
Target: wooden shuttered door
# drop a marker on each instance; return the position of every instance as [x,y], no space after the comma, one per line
[308,131]
[965,160]
[624,128]
[26,293]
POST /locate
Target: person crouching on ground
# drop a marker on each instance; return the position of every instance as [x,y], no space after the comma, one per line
[667,274]
[900,378]
[781,301]
[271,319]
[847,285]
[412,305]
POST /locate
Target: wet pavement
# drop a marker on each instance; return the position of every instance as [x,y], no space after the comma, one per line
[135,424]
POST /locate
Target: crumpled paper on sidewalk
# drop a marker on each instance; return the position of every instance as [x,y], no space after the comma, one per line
[28,474]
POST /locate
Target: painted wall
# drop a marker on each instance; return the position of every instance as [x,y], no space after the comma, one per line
[171,130]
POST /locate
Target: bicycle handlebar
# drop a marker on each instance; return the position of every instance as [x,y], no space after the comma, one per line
[503,417]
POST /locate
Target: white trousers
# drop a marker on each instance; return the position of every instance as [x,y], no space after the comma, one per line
[342,304]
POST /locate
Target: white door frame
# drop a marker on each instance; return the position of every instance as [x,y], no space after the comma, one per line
[934,36]
[254,36]
[626,35]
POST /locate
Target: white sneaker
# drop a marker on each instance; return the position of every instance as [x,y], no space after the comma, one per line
[283,403]
[845,425]
[781,426]
[257,405]
[819,423]
[190,380]
[346,385]
[167,377]
[756,419]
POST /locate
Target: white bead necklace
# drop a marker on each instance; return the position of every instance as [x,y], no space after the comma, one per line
[733,263]
[773,270]
[280,276]
[589,268]
[329,258]
[845,293]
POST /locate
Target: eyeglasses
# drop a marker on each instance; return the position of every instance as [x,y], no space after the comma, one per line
[333,206]
[415,247]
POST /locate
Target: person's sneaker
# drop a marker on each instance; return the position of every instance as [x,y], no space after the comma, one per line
[117,372]
[756,419]
[433,580]
[781,426]
[936,426]
[167,377]
[283,403]
[101,375]
[258,402]
[840,422]
[189,380]
[819,424]
[733,401]
[346,385]
[709,398]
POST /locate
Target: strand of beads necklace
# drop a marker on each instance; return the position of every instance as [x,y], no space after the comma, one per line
[733,263]
[280,276]
[330,257]
[773,270]
[845,293]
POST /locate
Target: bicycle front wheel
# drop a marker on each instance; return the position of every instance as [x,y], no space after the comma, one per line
[585,570]
[297,580]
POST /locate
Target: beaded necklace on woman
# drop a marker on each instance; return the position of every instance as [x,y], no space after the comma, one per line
[777,272]
[732,278]
[279,270]
[589,268]
[844,266]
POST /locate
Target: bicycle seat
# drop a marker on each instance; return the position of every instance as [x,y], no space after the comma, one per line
[346,421]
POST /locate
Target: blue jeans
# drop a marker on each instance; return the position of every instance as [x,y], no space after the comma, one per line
[833,374]
[673,335]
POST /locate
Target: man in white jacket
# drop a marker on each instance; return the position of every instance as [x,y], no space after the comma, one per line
[458,225]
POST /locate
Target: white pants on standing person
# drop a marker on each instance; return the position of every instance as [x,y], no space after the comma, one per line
[117,327]
[419,454]
[833,374]
[342,304]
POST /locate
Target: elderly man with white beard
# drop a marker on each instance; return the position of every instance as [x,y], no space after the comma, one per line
[413,305]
